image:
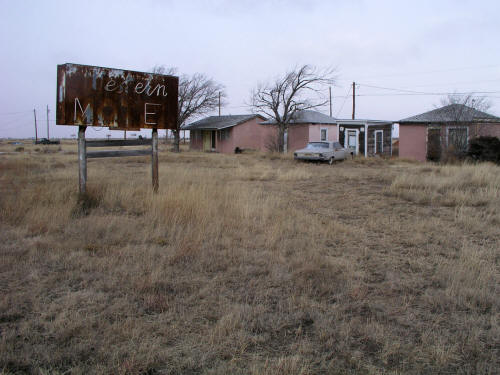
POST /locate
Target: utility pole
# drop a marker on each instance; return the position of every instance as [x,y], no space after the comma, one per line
[36,131]
[353,100]
[219,103]
[124,134]
[48,134]
[330,89]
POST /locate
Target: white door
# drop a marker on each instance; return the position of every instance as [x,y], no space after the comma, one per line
[352,140]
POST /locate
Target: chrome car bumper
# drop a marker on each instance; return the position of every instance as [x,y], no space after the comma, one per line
[311,157]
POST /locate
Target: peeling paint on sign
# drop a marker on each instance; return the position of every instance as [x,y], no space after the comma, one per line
[118,99]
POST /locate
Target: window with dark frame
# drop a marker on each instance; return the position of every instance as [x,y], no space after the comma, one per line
[224,134]
[324,134]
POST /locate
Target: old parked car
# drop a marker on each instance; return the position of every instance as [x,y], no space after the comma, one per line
[45,141]
[323,151]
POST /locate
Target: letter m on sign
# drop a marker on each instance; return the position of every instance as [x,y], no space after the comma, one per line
[82,116]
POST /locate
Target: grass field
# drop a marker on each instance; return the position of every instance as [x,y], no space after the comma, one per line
[247,264]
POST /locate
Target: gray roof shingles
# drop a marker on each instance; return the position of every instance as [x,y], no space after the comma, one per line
[308,117]
[450,113]
[219,122]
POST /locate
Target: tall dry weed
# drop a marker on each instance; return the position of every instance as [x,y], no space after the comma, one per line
[450,185]
[471,279]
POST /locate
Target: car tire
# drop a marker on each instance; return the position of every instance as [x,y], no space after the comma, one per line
[330,161]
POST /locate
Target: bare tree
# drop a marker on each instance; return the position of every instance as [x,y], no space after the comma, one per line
[479,103]
[198,95]
[281,99]
[462,115]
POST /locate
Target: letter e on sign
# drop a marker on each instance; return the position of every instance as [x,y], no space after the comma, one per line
[152,115]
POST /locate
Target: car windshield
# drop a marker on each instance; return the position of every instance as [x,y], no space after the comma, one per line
[317,145]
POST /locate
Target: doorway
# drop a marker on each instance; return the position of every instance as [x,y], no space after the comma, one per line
[351,140]
[213,139]
[434,144]
[379,142]
[206,140]
[209,137]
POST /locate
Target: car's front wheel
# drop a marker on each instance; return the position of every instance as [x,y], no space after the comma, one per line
[330,161]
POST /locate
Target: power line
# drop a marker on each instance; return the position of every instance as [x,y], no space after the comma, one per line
[14,113]
[15,126]
[428,72]
[459,83]
[391,89]
[413,92]
[435,93]
[12,121]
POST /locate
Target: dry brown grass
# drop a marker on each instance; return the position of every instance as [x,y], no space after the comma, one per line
[450,185]
[247,264]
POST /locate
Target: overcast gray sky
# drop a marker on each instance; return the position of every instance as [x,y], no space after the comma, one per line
[425,46]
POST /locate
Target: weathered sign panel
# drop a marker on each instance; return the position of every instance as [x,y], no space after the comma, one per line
[119,99]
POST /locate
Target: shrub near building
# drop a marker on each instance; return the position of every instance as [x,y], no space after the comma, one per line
[485,149]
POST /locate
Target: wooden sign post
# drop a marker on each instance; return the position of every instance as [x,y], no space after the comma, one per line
[82,160]
[83,155]
[118,99]
[154,159]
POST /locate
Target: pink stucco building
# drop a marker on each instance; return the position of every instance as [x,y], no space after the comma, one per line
[364,137]
[428,135]
[226,133]
[307,126]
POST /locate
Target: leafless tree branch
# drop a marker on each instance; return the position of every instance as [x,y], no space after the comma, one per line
[282,98]
[460,114]
[198,95]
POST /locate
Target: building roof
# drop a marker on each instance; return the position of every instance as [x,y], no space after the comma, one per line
[220,122]
[451,113]
[308,117]
[363,121]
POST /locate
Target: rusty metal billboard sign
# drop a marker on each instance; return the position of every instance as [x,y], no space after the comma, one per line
[119,99]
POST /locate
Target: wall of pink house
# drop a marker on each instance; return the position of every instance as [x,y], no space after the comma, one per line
[253,135]
[226,145]
[248,135]
[413,142]
[315,132]
[485,129]
[268,137]
[195,140]
[298,136]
